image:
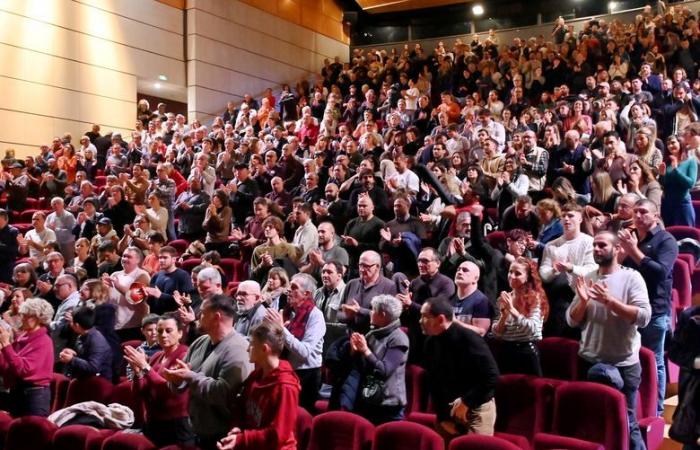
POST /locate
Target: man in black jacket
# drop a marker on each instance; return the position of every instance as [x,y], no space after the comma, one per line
[93,355]
[462,372]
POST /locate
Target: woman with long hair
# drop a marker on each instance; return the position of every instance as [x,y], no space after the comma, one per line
[24,275]
[510,184]
[549,212]
[523,310]
[577,115]
[645,147]
[274,293]
[217,223]
[604,196]
[641,181]
[83,259]
[95,294]
[167,416]
[12,316]
[677,175]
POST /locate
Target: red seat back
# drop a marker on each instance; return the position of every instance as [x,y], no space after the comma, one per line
[303,429]
[92,388]
[591,412]
[127,441]
[647,396]
[416,392]
[559,358]
[524,404]
[403,435]
[124,395]
[479,442]
[682,232]
[59,389]
[681,282]
[340,430]
[74,437]
[30,432]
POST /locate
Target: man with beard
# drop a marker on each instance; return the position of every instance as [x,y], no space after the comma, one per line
[164,283]
[327,250]
[190,207]
[250,310]
[377,194]
[611,303]
[214,369]
[332,207]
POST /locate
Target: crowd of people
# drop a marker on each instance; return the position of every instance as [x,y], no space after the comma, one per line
[363,208]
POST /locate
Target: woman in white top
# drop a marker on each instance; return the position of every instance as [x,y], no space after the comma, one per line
[157,215]
[522,312]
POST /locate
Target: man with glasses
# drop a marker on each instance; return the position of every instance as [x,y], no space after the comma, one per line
[355,305]
[303,336]
[624,213]
[68,296]
[534,161]
[166,282]
[429,283]
[250,310]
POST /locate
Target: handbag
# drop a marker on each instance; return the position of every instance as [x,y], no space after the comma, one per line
[372,391]
[686,426]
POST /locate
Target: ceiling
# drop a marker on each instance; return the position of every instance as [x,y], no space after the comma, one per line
[384,6]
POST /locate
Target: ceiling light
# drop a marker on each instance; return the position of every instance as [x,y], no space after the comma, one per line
[157,85]
[477,10]
[612,6]
[162,78]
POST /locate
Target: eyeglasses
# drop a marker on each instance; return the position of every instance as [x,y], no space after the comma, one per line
[424,261]
[244,294]
[367,266]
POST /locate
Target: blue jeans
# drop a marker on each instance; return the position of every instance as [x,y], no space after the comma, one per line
[653,337]
[631,378]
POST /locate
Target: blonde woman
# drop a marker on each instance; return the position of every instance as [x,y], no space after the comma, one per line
[604,196]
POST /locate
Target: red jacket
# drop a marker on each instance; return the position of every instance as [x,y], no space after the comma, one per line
[269,407]
[158,400]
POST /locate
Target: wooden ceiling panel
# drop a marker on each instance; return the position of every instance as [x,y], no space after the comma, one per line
[384,6]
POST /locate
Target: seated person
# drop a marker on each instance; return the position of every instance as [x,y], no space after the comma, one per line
[93,355]
[150,346]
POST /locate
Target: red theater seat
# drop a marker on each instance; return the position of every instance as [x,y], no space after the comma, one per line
[30,432]
[405,435]
[477,442]
[339,430]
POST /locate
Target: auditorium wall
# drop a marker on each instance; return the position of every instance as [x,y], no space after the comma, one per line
[69,63]
[238,47]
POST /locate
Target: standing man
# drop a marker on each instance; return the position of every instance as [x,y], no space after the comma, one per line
[652,252]
[328,250]
[165,282]
[250,310]
[611,303]
[461,370]
[304,329]
[568,255]
[214,369]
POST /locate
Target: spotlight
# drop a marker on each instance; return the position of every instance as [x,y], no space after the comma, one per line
[477,10]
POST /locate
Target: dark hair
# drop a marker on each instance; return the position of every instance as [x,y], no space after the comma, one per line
[338,267]
[223,304]
[274,222]
[154,236]
[271,334]
[107,246]
[172,315]
[150,319]
[85,317]
[212,256]
[439,306]
[172,251]
[3,214]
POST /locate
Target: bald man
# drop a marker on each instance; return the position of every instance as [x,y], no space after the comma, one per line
[471,306]
[250,310]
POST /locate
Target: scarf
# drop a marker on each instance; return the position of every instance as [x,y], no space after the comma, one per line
[298,317]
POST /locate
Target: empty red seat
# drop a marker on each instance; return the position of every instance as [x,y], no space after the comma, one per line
[403,435]
[190,264]
[497,239]
[74,437]
[478,442]
[23,227]
[681,282]
[233,269]
[416,392]
[59,389]
[651,426]
[338,430]
[26,215]
[30,432]
[303,428]
[524,404]
[696,207]
[122,394]
[93,388]
[559,358]
[100,180]
[180,245]
[33,203]
[594,414]
[127,441]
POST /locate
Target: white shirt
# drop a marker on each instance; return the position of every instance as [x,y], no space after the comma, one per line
[577,251]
